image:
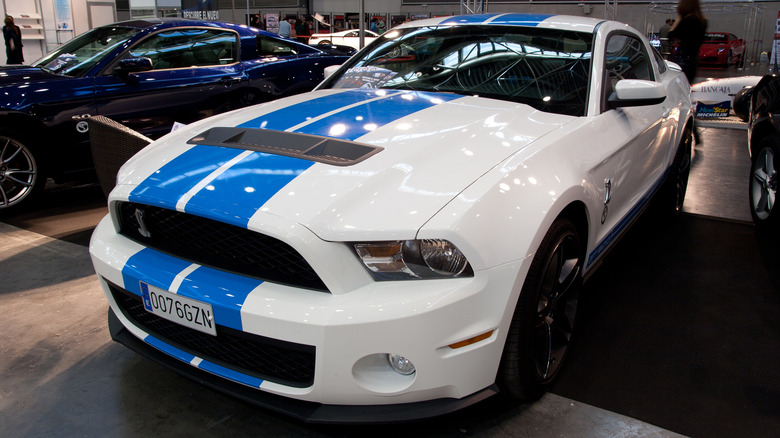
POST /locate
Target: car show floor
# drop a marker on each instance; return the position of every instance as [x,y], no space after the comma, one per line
[677,335]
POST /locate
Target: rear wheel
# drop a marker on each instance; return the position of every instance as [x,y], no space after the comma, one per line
[677,185]
[542,324]
[20,173]
[324,43]
[763,182]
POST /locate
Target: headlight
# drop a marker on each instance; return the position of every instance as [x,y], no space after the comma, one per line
[413,259]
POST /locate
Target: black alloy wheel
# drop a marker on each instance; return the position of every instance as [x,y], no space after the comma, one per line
[543,322]
[763,182]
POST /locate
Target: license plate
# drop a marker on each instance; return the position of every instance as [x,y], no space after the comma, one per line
[185,311]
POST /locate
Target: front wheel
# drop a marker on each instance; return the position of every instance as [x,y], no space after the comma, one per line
[20,173]
[543,321]
[763,182]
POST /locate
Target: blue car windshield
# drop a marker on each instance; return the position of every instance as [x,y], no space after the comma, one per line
[548,69]
[78,56]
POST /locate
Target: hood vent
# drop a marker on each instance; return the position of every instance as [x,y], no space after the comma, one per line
[292,144]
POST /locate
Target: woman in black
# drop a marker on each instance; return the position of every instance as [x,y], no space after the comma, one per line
[688,32]
[13,42]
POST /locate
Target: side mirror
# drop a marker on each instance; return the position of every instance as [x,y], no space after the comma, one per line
[636,92]
[133,65]
[329,70]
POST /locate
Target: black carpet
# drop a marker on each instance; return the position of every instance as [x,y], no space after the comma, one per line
[681,328]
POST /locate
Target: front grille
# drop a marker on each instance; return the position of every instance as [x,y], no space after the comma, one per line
[269,359]
[217,244]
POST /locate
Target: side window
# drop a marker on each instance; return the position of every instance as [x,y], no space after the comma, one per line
[267,46]
[625,58]
[182,48]
[660,61]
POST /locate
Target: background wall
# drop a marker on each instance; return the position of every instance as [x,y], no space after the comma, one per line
[753,21]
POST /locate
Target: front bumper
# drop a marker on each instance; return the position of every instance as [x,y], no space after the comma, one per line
[309,412]
[350,333]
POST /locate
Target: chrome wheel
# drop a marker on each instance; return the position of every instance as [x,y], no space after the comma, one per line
[556,307]
[763,184]
[18,172]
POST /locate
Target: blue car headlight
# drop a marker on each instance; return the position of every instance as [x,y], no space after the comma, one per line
[413,259]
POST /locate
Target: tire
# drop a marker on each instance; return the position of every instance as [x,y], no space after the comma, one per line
[763,182]
[21,177]
[676,186]
[542,325]
[324,43]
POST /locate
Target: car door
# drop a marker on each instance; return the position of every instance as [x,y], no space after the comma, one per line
[632,158]
[195,73]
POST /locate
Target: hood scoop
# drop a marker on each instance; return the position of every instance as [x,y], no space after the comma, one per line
[292,144]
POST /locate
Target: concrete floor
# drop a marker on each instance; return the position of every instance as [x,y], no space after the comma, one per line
[63,376]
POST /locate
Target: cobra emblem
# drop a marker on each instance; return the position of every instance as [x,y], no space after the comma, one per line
[139,216]
[607,198]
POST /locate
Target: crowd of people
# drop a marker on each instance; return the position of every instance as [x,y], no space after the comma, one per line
[301,28]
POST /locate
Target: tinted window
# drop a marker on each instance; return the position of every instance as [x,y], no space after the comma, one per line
[267,46]
[545,68]
[182,48]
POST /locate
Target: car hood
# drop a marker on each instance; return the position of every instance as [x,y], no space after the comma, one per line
[377,163]
[23,85]
[12,75]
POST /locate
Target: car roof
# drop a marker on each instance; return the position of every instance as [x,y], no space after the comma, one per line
[564,22]
[165,23]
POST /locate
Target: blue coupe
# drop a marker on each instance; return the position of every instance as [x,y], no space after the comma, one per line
[145,74]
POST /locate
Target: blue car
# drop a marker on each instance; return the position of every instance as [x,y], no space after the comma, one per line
[145,74]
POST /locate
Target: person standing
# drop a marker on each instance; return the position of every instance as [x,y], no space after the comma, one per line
[13,41]
[688,34]
[663,36]
[285,29]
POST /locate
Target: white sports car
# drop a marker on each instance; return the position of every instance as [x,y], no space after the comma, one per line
[409,238]
[349,38]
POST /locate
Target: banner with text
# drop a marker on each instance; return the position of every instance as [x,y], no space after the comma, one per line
[200,9]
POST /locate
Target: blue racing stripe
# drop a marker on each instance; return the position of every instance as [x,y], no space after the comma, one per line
[224,291]
[521,19]
[613,235]
[290,116]
[169,350]
[166,185]
[506,19]
[240,191]
[151,267]
[204,364]
[360,120]
[230,374]
[468,19]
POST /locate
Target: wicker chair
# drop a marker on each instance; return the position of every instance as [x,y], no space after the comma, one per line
[112,145]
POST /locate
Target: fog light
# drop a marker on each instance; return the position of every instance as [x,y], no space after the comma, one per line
[400,364]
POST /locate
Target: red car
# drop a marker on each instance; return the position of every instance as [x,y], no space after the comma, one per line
[721,49]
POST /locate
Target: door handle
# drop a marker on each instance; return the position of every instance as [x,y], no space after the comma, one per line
[230,80]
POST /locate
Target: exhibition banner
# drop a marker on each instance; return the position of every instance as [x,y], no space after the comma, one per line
[200,9]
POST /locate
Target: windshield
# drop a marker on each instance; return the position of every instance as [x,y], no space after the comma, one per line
[547,69]
[715,38]
[79,55]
